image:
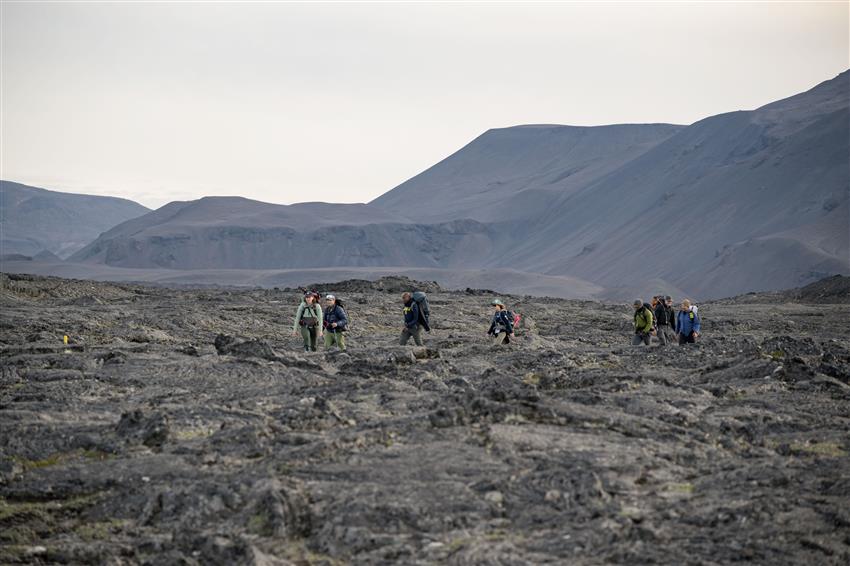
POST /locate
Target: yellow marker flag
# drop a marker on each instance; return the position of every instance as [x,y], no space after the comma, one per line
[65,339]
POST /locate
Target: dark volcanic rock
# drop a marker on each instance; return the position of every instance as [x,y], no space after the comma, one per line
[389,284]
[567,446]
[149,429]
[228,345]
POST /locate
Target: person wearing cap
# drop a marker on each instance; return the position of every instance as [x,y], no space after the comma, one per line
[308,320]
[666,320]
[335,323]
[687,324]
[411,321]
[501,325]
[643,323]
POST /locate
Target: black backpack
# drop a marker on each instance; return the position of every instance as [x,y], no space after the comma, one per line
[424,310]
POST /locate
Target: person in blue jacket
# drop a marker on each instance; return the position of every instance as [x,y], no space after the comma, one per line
[335,323]
[687,324]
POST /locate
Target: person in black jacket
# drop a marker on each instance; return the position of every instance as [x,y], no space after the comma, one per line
[666,320]
[411,321]
[501,325]
[335,323]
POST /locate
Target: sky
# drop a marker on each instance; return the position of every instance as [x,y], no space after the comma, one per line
[341,102]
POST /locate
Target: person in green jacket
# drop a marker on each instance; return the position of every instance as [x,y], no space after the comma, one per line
[308,320]
[643,324]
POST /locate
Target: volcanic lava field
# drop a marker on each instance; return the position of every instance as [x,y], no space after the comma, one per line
[141,442]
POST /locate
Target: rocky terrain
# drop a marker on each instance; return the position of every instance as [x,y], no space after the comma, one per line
[186,426]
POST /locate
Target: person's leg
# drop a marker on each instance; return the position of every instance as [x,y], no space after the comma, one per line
[662,337]
[314,338]
[682,340]
[305,335]
[329,340]
[417,335]
[405,336]
[499,338]
[340,340]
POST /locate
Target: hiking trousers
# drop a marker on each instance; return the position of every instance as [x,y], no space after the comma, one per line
[641,338]
[501,338]
[311,337]
[689,339]
[416,332]
[337,338]
[665,335]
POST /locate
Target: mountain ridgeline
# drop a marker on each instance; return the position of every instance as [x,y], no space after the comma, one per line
[41,223]
[743,201]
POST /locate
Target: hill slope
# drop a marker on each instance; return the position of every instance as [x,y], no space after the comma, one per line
[237,233]
[33,220]
[518,171]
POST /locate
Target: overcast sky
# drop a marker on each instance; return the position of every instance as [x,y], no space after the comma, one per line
[290,102]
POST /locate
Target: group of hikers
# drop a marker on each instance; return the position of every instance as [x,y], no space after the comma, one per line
[659,319]
[656,319]
[331,323]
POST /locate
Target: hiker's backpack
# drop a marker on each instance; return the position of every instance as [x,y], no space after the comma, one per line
[515,319]
[424,310]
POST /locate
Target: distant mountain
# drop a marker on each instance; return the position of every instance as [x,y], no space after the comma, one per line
[34,220]
[749,200]
[517,172]
[238,233]
[735,202]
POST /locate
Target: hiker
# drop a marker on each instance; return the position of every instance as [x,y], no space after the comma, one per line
[334,323]
[643,323]
[665,318]
[501,326]
[411,321]
[687,324]
[308,320]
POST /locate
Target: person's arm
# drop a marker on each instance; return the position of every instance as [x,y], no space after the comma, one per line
[342,321]
[696,324]
[647,316]
[321,318]
[298,317]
